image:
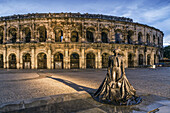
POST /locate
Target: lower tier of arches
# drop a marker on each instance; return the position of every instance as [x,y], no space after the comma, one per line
[73,56]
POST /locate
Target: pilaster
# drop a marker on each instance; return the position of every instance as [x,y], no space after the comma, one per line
[49,59]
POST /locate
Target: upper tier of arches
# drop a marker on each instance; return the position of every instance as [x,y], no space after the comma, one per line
[60,30]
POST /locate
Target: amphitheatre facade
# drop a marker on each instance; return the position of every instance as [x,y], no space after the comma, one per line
[74,40]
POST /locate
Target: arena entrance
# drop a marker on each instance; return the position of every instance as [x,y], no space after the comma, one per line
[90,60]
[148,59]
[58,61]
[105,58]
[42,61]
[130,60]
[74,61]
[12,61]
[140,59]
[1,61]
[26,61]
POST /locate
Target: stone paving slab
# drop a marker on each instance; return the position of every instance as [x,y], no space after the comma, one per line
[82,102]
[57,82]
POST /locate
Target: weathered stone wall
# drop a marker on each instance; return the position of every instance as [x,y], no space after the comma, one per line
[133,39]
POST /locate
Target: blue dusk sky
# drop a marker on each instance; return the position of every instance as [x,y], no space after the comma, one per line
[154,13]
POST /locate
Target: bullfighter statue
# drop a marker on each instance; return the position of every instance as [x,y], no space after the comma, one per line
[115,88]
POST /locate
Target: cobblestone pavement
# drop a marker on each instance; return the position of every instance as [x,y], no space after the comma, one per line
[25,84]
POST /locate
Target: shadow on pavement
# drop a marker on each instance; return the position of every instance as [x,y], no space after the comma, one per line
[75,86]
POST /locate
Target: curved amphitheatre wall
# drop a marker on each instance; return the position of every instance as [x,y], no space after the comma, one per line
[74,40]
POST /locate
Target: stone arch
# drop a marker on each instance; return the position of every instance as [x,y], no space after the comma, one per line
[58,60]
[1,61]
[130,60]
[74,36]
[118,34]
[12,34]
[139,38]
[148,59]
[90,60]
[42,33]
[42,61]
[147,38]
[74,61]
[58,34]
[105,59]
[90,34]
[1,35]
[26,61]
[26,34]
[140,59]
[12,61]
[129,36]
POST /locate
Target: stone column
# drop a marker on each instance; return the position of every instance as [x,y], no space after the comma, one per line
[33,58]
[18,58]
[4,58]
[33,32]
[82,59]
[144,58]
[52,61]
[49,59]
[99,60]
[66,33]
[136,58]
[152,58]
[66,60]
[21,61]
[5,33]
[83,32]
[98,34]
[7,61]
[112,36]
[18,34]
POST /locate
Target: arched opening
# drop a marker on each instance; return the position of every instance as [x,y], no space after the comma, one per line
[12,61]
[74,36]
[1,61]
[140,59]
[139,38]
[104,37]
[154,39]
[148,38]
[42,34]
[58,36]
[74,61]
[117,36]
[1,36]
[90,60]
[42,61]
[58,61]
[154,58]
[27,34]
[130,60]
[26,61]
[105,59]
[148,59]
[129,37]
[89,36]
[13,35]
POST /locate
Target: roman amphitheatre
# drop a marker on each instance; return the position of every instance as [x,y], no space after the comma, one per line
[75,41]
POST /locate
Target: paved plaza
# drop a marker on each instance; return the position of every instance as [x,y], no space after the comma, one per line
[27,84]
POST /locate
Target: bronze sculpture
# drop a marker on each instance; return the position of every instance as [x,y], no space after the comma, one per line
[115,88]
